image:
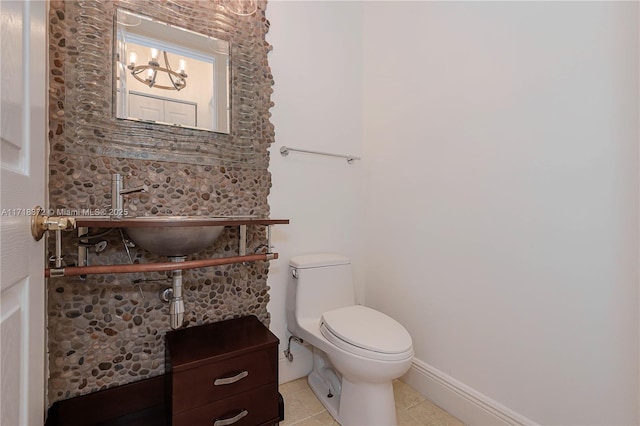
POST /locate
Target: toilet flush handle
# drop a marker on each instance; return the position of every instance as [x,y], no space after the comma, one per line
[294,273]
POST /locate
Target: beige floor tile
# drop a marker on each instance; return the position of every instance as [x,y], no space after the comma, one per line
[286,391]
[294,411]
[323,419]
[405,419]
[427,413]
[297,385]
[309,401]
[405,396]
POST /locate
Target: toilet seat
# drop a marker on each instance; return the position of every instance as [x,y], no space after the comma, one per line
[366,332]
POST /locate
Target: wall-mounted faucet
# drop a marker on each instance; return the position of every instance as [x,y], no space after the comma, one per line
[117,195]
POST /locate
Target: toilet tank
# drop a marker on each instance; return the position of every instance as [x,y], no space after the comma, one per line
[318,283]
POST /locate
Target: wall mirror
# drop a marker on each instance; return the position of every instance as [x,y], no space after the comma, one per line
[169,75]
[85,80]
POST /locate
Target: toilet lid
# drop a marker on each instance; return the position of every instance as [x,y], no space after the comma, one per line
[368,329]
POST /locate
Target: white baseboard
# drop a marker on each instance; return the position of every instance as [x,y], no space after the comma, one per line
[300,366]
[467,404]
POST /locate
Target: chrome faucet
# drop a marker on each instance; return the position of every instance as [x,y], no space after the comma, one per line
[117,195]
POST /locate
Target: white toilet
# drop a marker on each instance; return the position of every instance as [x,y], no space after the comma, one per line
[358,351]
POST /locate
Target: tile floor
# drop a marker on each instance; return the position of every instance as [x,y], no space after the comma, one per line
[302,408]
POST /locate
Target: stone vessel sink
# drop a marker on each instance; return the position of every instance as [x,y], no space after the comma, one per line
[175,235]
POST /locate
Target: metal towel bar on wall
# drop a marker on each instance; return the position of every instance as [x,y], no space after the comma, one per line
[350,158]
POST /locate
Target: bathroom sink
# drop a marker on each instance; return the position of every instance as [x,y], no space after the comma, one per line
[175,235]
[173,240]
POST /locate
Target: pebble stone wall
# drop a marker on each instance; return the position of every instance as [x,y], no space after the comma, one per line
[108,330]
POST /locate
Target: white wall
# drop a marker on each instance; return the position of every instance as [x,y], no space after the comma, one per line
[317,67]
[501,141]
[500,145]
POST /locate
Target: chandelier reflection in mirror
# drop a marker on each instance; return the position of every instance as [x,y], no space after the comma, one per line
[178,79]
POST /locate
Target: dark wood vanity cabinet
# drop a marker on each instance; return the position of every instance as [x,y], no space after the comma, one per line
[225,373]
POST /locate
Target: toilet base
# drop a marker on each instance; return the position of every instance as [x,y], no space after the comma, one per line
[351,403]
[370,404]
[319,388]
[325,382]
[358,404]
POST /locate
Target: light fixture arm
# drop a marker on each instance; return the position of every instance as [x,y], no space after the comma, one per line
[178,79]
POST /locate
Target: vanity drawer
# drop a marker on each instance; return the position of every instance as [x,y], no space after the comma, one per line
[201,385]
[252,408]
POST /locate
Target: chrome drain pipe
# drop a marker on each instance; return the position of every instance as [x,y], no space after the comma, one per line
[176,305]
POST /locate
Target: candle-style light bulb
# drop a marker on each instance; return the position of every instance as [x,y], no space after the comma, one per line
[150,74]
[154,55]
[133,58]
[182,65]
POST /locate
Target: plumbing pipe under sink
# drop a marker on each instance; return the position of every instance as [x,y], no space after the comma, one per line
[176,304]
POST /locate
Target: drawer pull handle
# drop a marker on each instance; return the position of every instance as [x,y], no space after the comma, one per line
[230,420]
[228,380]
